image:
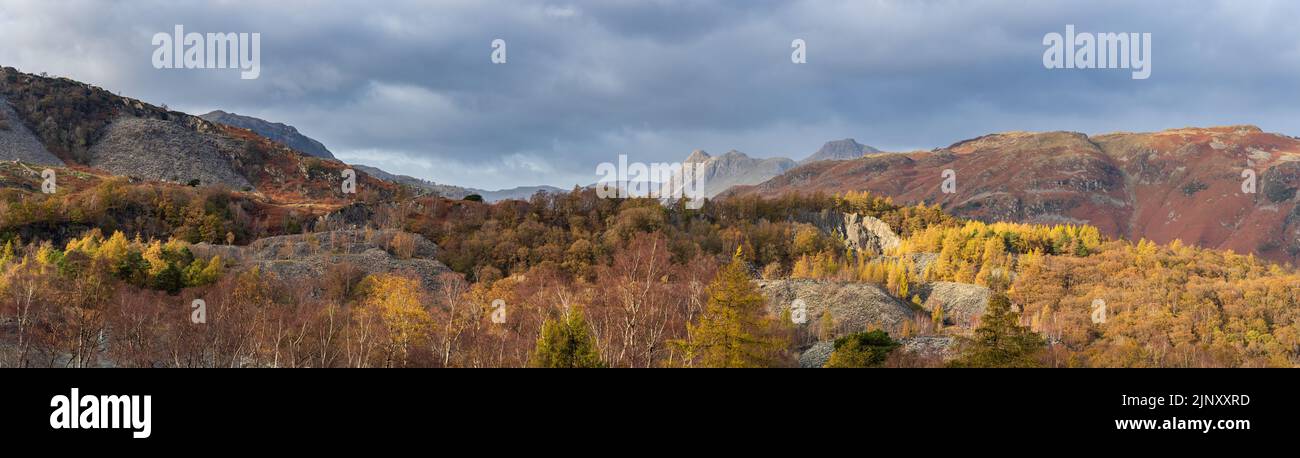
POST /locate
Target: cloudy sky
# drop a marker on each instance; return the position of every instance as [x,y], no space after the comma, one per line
[409,86]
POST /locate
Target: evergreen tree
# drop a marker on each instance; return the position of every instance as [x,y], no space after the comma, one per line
[734,330]
[1000,340]
[864,349]
[566,344]
[169,279]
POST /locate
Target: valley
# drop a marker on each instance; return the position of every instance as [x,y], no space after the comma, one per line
[853,257]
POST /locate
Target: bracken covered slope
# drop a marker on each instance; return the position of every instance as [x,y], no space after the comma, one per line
[1184,184]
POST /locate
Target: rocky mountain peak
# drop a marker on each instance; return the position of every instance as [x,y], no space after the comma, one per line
[697,156]
[838,150]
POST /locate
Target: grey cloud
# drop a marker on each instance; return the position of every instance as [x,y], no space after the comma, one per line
[408,86]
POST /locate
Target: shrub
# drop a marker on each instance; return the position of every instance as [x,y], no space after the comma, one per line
[864,349]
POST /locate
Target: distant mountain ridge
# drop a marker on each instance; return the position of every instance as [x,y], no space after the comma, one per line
[283,133]
[839,150]
[457,192]
[736,168]
[1181,184]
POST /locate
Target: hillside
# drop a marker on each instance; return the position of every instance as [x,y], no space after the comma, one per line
[89,127]
[1176,184]
[282,133]
[17,143]
[156,208]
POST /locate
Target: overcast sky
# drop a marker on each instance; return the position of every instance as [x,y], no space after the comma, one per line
[408,85]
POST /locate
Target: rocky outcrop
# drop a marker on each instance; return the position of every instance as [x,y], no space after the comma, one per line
[860,232]
[164,150]
[282,133]
[306,257]
[963,304]
[853,307]
[17,143]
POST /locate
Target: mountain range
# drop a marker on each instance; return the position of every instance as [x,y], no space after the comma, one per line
[154,207]
[1187,184]
[735,168]
[1184,184]
[290,137]
[457,192]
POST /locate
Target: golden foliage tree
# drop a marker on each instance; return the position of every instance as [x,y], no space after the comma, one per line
[735,330]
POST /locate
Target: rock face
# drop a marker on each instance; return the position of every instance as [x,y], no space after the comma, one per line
[17,143]
[307,257]
[285,134]
[860,232]
[163,150]
[839,150]
[1175,184]
[853,307]
[963,304]
[736,168]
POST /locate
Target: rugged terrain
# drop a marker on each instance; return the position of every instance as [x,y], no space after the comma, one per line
[853,307]
[282,133]
[303,258]
[856,307]
[166,151]
[17,143]
[1182,184]
[88,127]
